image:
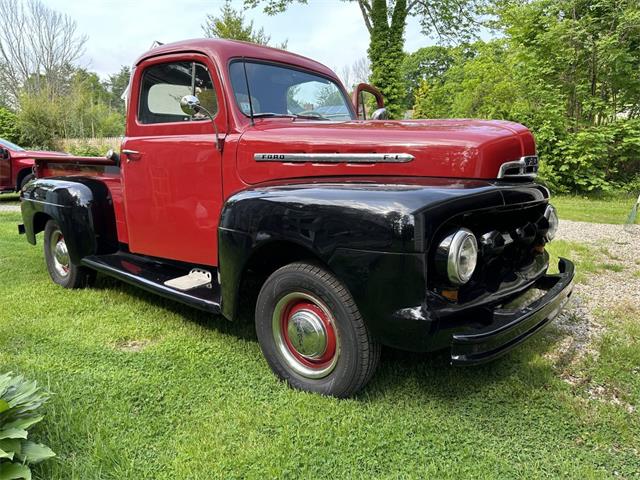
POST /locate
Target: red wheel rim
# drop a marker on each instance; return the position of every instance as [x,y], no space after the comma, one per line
[305,334]
[329,351]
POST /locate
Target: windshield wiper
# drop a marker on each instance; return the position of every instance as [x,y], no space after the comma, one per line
[289,115]
[310,117]
[272,114]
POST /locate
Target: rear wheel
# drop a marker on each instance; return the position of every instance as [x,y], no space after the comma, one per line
[311,332]
[26,179]
[61,269]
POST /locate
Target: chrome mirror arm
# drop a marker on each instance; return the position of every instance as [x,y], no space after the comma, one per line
[190,104]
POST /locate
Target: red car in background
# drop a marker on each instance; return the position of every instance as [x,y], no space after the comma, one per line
[16,166]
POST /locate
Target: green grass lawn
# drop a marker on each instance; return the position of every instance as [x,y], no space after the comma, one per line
[593,209]
[148,389]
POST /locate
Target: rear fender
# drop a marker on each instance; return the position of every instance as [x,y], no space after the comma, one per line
[83,209]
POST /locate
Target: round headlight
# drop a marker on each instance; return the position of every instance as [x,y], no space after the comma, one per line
[461,253]
[552,217]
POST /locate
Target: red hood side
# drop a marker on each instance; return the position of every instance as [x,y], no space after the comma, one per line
[441,148]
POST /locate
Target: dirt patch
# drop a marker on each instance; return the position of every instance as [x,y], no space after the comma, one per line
[132,346]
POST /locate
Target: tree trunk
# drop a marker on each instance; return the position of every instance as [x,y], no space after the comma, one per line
[386,52]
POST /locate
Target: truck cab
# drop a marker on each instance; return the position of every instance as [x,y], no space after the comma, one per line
[16,166]
[249,180]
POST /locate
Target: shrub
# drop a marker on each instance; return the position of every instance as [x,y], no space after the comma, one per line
[9,125]
[19,399]
[87,150]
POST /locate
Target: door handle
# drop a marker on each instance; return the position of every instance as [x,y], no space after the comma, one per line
[131,154]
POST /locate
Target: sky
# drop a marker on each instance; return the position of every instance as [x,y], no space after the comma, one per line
[329,31]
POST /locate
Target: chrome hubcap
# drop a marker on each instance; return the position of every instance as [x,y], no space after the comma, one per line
[305,335]
[59,253]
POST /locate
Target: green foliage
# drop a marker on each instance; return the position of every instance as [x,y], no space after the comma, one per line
[116,86]
[428,65]
[564,69]
[231,24]
[86,150]
[9,125]
[83,111]
[19,400]
[386,53]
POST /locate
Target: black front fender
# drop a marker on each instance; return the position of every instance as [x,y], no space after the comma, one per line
[331,222]
[82,207]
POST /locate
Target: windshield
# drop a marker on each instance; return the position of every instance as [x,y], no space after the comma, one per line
[283,91]
[10,146]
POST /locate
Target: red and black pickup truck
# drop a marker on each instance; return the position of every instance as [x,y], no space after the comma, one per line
[16,165]
[248,177]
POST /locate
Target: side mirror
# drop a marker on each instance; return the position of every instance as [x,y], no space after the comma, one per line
[4,154]
[190,105]
[359,103]
[380,114]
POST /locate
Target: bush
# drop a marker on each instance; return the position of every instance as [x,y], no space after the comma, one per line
[87,150]
[601,158]
[9,125]
[19,399]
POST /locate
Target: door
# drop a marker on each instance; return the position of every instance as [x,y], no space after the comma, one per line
[172,172]
[5,168]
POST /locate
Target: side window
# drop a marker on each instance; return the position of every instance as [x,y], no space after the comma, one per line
[165,84]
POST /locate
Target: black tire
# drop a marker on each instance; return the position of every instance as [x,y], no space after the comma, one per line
[26,179]
[356,352]
[62,270]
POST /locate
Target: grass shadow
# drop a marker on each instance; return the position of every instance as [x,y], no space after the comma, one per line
[430,373]
[241,329]
[9,198]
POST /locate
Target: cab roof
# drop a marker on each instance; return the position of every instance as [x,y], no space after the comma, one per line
[224,50]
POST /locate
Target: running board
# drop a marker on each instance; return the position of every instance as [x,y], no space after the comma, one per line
[151,274]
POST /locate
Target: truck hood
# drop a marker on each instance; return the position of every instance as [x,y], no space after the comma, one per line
[440,148]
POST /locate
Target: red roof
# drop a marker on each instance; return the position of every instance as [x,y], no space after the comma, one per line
[224,50]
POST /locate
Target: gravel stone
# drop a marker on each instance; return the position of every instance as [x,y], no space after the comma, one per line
[9,208]
[578,325]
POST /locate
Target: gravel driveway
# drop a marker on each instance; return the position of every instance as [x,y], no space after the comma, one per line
[9,208]
[617,246]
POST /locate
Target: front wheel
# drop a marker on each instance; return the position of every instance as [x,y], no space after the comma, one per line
[61,269]
[311,332]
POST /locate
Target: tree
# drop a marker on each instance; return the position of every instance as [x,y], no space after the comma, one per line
[429,64]
[358,72]
[386,22]
[81,110]
[116,86]
[231,24]
[8,125]
[567,69]
[36,44]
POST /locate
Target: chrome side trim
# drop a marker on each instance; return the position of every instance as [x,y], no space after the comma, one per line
[334,157]
[525,167]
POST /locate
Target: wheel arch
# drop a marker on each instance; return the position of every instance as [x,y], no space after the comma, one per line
[22,173]
[262,260]
[82,207]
